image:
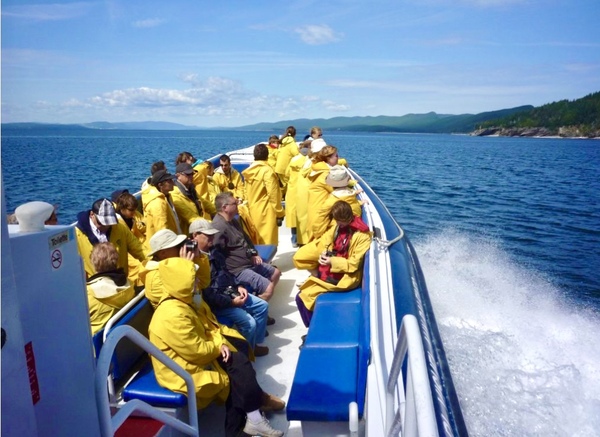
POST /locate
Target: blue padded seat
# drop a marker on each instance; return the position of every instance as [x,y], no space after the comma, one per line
[334,325]
[351,296]
[266,251]
[323,390]
[146,388]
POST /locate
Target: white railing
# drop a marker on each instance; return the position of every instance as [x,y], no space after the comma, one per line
[414,415]
[109,423]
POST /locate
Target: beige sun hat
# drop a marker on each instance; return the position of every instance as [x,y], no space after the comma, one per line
[165,239]
[338,177]
[203,226]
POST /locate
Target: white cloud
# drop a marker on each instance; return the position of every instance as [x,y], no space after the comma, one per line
[318,34]
[147,23]
[48,12]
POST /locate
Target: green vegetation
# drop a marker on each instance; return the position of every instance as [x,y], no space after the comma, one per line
[579,117]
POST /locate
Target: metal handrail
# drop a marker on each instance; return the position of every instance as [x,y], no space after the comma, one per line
[108,423]
[117,316]
[415,415]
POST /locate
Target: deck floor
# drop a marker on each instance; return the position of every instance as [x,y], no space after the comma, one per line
[275,371]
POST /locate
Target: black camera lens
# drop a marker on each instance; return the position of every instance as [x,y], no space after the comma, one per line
[191,245]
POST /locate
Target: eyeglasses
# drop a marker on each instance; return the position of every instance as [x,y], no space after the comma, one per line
[231,204]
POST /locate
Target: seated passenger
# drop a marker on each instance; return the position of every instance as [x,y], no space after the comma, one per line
[229,179]
[99,225]
[127,213]
[264,197]
[159,211]
[158,165]
[339,179]
[228,299]
[109,290]
[335,260]
[241,258]
[219,372]
[188,205]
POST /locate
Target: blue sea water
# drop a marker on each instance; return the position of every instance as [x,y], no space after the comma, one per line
[507,231]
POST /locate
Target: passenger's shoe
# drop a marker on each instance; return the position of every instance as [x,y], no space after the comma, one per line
[260,351]
[262,428]
[271,403]
[270,320]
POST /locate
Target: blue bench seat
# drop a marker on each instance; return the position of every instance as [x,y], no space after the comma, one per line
[332,367]
[266,251]
[146,388]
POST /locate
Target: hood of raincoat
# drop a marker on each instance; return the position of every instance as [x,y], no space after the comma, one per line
[255,170]
[358,225]
[317,168]
[178,276]
[150,194]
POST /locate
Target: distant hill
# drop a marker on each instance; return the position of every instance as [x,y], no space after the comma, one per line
[575,118]
[415,123]
[103,125]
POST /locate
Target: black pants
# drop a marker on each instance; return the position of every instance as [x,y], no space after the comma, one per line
[245,395]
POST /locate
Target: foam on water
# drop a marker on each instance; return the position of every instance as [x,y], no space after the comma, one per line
[525,361]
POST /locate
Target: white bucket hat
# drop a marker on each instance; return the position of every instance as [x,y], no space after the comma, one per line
[338,177]
[165,239]
[203,226]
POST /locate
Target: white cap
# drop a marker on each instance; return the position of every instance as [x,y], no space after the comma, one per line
[32,215]
[317,145]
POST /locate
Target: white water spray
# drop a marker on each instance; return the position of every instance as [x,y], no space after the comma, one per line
[525,362]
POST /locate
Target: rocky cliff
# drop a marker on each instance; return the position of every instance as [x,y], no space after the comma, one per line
[564,132]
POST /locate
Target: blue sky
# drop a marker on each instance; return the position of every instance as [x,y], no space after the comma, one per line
[233,63]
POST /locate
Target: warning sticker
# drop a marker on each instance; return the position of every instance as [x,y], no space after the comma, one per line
[56,259]
[33,379]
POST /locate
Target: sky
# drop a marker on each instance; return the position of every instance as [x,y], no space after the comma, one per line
[226,63]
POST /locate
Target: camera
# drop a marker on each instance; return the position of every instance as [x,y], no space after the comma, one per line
[251,252]
[329,253]
[231,292]
[190,245]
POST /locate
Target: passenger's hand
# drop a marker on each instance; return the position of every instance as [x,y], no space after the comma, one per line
[257,260]
[240,300]
[324,259]
[225,352]
[184,253]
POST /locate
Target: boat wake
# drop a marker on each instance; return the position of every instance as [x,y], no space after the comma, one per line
[524,360]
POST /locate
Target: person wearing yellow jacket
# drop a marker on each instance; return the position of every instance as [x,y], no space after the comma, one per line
[126,206]
[229,179]
[109,290]
[99,225]
[339,179]
[293,174]
[188,205]
[264,196]
[287,150]
[159,211]
[303,185]
[319,190]
[219,372]
[273,146]
[335,260]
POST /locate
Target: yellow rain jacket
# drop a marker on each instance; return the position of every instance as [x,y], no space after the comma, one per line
[105,298]
[302,185]
[247,222]
[307,258]
[213,190]
[264,200]
[139,231]
[179,330]
[186,209]
[273,153]
[201,179]
[292,174]
[323,220]
[123,240]
[287,150]
[222,180]
[158,214]
[318,192]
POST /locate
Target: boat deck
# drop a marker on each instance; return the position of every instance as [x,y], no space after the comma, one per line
[275,371]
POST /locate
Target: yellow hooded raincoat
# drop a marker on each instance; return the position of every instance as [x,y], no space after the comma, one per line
[318,192]
[264,200]
[179,330]
[323,221]
[292,174]
[105,298]
[123,240]
[302,186]
[222,180]
[158,214]
[307,258]
[287,150]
